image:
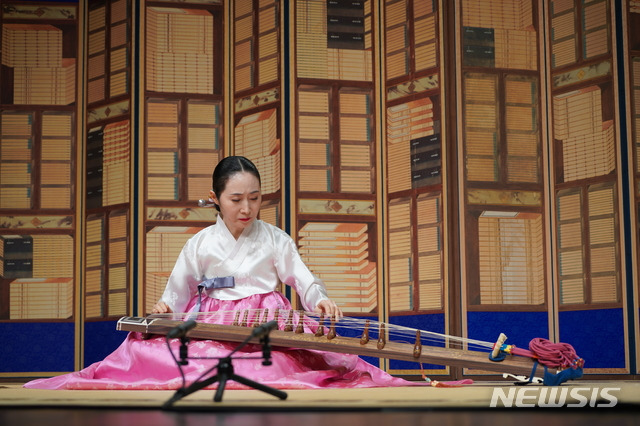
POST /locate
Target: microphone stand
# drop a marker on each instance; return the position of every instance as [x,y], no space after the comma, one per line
[226,373]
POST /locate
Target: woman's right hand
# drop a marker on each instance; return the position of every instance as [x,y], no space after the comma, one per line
[161,308]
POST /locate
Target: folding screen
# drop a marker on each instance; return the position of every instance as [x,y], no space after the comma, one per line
[466,167]
[501,170]
[40,208]
[108,160]
[334,150]
[182,136]
[631,44]
[415,166]
[586,182]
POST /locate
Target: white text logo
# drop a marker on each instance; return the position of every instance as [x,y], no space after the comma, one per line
[554,397]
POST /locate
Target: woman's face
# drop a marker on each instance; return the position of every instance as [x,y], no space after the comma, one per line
[239,202]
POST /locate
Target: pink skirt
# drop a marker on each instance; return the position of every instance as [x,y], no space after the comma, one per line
[148,363]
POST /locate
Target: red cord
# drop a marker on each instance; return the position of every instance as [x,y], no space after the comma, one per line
[555,355]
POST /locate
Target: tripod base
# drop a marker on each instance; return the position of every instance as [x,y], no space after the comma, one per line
[224,374]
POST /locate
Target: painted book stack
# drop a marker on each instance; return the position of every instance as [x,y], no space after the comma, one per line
[338,254]
[41,75]
[27,261]
[256,138]
[179,50]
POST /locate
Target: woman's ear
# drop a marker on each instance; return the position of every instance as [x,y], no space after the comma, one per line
[214,199]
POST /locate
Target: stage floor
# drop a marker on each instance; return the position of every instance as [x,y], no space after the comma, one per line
[581,401]
[137,417]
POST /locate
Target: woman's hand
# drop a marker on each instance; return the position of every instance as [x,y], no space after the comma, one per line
[161,308]
[329,307]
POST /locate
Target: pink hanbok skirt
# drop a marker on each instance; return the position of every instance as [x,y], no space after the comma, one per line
[140,363]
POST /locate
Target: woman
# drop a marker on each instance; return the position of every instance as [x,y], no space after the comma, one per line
[244,247]
[239,261]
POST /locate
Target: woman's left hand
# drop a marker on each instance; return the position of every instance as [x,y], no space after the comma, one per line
[330,308]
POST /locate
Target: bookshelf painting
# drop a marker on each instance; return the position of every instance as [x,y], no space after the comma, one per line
[584,134]
[109,51]
[107,287]
[411,37]
[180,158]
[108,164]
[107,290]
[586,151]
[38,175]
[338,254]
[335,140]
[179,50]
[335,155]
[633,120]
[30,263]
[36,160]
[502,200]
[183,139]
[499,34]
[39,64]
[413,145]
[184,130]
[256,44]
[586,158]
[580,31]
[414,284]
[501,135]
[511,264]
[334,40]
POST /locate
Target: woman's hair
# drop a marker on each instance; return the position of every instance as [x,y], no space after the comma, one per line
[228,167]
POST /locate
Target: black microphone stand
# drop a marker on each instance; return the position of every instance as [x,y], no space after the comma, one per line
[226,372]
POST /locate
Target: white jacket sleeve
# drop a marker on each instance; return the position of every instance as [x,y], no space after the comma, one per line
[293,272]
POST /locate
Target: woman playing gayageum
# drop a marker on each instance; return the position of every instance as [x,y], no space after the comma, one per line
[242,260]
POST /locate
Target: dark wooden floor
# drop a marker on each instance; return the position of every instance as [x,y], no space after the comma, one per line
[620,416]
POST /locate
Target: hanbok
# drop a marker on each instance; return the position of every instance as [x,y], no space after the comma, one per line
[258,260]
